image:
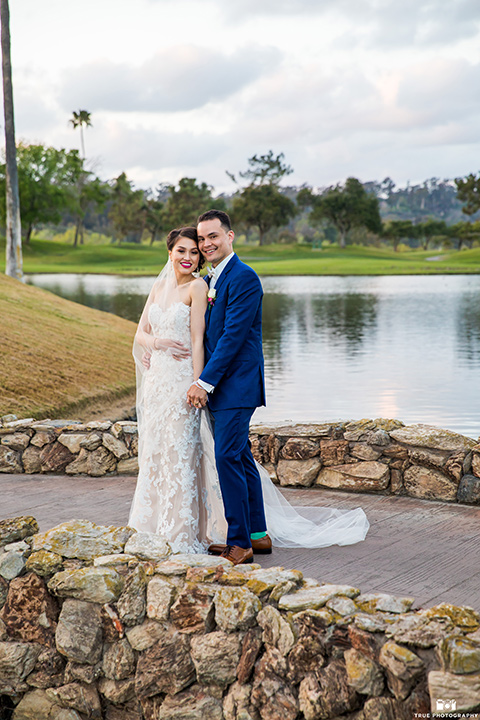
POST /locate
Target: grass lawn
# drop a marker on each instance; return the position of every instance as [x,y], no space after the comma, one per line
[44,256]
[58,355]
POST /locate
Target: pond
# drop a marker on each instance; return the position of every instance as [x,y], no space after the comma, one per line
[347,347]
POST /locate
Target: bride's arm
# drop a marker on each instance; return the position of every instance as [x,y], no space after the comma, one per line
[198,296]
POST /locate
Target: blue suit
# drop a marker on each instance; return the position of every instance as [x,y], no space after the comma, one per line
[234,365]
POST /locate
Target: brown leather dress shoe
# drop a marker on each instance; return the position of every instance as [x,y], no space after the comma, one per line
[237,555]
[263,546]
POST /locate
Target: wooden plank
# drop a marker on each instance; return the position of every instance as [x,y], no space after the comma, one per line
[414,547]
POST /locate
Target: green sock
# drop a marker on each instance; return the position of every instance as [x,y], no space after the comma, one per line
[257,536]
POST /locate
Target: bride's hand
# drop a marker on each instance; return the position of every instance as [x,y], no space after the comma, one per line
[172,347]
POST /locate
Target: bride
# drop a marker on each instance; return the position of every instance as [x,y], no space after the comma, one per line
[178,492]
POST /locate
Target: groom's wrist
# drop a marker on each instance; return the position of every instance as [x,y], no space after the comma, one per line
[204,385]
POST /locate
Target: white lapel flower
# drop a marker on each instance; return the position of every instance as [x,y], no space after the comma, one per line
[211,295]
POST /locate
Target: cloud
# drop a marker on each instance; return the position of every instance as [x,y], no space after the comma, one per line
[175,79]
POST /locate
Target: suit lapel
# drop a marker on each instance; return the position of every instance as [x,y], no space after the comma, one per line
[225,272]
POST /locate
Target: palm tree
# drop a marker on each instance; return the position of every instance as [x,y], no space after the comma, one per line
[13,226]
[79,119]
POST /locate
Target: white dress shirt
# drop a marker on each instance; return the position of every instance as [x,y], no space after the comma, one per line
[216,274]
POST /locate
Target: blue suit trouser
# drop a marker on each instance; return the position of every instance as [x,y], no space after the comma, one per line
[239,479]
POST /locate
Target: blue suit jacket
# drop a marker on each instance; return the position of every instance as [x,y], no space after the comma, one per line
[233,340]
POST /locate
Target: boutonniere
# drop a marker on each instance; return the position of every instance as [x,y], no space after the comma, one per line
[211,295]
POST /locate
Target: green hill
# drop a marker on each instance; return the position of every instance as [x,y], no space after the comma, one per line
[57,355]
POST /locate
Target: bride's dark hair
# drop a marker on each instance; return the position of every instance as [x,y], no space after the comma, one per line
[189,232]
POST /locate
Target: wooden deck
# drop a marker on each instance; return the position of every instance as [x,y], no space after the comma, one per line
[429,550]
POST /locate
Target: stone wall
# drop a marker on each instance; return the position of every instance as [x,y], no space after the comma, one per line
[103,622]
[379,456]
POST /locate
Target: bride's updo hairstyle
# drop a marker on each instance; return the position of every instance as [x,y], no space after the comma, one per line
[188,232]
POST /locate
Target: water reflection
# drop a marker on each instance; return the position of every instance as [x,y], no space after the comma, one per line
[351,347]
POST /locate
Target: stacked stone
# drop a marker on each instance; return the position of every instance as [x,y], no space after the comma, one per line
[104,622]
[68,446]
[379,456]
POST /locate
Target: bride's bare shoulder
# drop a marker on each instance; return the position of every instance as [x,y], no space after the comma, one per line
[198,287]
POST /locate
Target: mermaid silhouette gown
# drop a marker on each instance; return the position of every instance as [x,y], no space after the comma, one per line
[178,494]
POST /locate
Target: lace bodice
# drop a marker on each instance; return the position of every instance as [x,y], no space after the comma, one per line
[172,323]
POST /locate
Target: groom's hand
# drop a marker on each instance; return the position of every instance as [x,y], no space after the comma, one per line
[196,396]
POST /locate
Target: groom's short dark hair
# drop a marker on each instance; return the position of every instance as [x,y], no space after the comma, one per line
[222,216]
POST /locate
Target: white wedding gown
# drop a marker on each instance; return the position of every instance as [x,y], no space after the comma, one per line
[178,493]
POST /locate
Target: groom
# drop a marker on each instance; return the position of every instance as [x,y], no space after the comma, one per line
[233,383]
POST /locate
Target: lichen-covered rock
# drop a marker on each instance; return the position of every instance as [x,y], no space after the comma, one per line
[430,436]
[82,539]
[31,460]
[193,610]
[131,604]
[403,668]
[251,646]
[298,472]
[48,670]
[236,608]
[341,605]
[463,617]
[359,477]
[166,667]
[16,441]
[17,660]
[196,703]
[44,563]
[460,655]
[236,704]
[96,585]
[143,636]
[266,579]
[36,705]
[216,656]
[364,675]
[386,603]
[277,631]
[148,546]
[80,465]
[429,484]
[55,457]
[160,597]
[79,632]
[315,597]
[9,460]
[119,660]
[43,437]
[117,447]
[30,613]
[91,441]
[271,693]
[72,441]
[100,462]
[464,689]
[12,564]
[469,490]
[327,693]
[117,691]
[77,696]
[299,449]
[17,529]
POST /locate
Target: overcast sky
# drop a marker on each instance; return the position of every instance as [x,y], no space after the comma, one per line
[369,88]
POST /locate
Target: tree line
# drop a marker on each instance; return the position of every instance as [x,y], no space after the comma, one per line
[56,189]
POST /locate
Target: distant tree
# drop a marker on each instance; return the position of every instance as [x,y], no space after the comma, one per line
[264,207]
[155,220]
[266,169]
[261,204]
[91,194]
[344,206]
[127,211]
[14,262]
[430,229]
[468,192]
[187,201]
[47,180]
[465,233]
[398,230]
[81,119]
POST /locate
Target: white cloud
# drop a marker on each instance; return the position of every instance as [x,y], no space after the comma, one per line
[177,78]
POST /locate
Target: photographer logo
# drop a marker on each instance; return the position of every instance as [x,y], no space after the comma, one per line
[446,705]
